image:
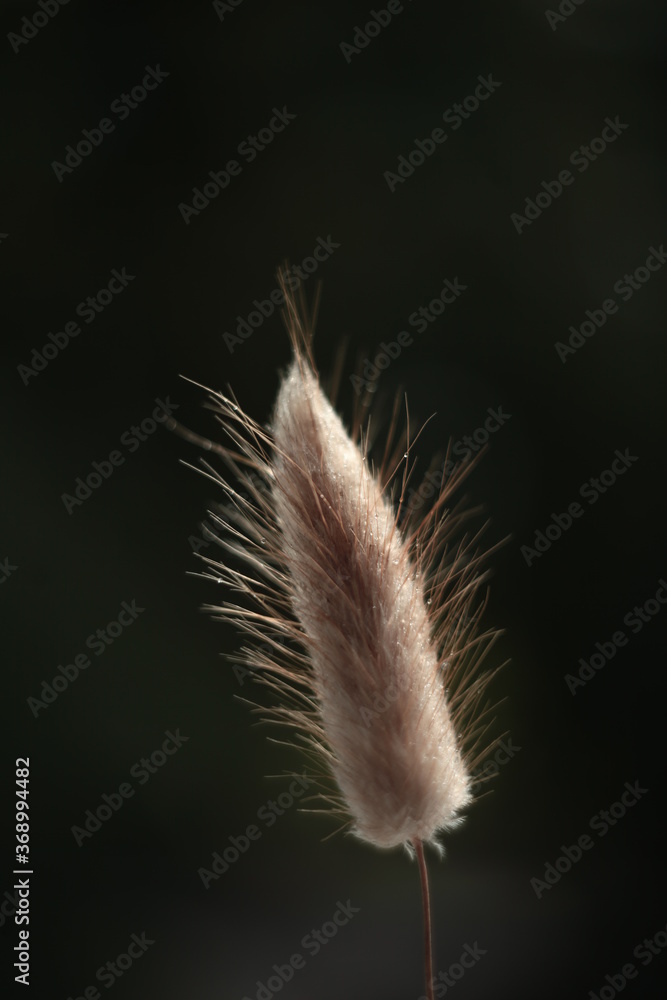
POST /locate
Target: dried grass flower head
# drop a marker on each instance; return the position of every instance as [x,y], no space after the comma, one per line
[363,617]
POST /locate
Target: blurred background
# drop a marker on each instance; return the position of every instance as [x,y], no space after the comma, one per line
[353,102]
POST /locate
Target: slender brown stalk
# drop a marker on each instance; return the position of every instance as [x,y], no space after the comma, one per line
[428,948]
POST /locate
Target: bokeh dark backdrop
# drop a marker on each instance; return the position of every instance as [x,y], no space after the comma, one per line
[494,347]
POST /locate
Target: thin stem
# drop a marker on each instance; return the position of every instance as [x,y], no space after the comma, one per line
[428,950]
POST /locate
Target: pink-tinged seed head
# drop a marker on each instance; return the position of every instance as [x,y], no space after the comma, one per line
[356,593]
[364,629]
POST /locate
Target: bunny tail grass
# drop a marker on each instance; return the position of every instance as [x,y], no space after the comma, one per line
[363,620]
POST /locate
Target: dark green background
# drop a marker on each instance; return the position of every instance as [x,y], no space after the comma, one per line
[495,347]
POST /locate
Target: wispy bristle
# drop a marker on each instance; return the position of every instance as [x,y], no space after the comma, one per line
[368,630]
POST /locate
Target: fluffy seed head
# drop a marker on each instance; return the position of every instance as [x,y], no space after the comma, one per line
[364,627]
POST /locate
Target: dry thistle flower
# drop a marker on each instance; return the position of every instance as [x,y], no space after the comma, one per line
[365,628]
